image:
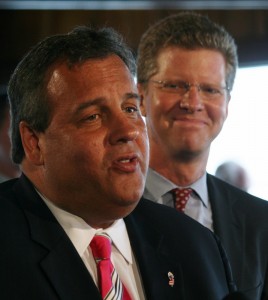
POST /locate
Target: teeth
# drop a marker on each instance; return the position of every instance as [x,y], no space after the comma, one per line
[125,160]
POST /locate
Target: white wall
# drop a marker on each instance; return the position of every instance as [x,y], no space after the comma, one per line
[244,137]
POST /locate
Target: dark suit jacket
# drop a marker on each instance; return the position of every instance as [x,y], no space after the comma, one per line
[241,222]
[39,262]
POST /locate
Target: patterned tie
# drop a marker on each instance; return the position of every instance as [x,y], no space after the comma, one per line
[110,285]
[181,196]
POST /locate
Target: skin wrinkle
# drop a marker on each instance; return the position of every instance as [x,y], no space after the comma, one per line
[181,129]
[96,122]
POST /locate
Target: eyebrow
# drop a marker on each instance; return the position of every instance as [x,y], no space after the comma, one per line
[131,95]
[89,103]
[100,100]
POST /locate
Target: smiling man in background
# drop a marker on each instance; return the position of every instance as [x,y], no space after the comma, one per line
[186,71]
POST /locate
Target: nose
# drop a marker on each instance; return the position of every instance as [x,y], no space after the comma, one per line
[124,129]
[192,100]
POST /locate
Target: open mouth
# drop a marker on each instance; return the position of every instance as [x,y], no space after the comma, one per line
[126,164]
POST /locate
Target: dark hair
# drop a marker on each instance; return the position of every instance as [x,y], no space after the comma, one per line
[27,86]
[186,30]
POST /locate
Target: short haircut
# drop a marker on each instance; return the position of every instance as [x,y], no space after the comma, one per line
[27,86]
[187,30]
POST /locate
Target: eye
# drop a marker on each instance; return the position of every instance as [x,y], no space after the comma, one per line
[131,109]
[176,85]
[92,117]
[212,90]
[170,85]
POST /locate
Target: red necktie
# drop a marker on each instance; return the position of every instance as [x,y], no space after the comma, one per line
[109,283]
[181,196]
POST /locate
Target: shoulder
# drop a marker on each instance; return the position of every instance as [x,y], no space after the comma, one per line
[179,234]
[6,185]
[13,221]
[223,195]
[215,183]
[6,190]
[167,220]
[16,196]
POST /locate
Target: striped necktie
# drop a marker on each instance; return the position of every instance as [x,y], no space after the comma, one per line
[110,285]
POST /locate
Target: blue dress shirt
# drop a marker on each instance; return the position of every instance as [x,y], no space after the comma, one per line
[198,207]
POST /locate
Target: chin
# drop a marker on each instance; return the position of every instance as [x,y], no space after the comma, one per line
[129,200]
[122,208]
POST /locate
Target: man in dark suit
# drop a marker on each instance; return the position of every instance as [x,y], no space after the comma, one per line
[81,142]
[186,70]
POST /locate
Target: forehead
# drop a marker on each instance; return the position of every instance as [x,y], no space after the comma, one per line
[91,74]
[187,61]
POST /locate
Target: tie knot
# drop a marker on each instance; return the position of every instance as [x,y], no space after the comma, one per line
[182,192]
[101,247]
[181,196]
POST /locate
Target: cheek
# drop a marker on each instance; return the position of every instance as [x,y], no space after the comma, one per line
[88,151]
[151,102]
[145,147]
[157,107]
[70,148]
[224,112]
[218,112]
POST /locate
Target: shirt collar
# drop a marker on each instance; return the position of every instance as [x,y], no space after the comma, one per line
[81,234]
[157,186]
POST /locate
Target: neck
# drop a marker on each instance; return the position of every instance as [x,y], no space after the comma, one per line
[181,170]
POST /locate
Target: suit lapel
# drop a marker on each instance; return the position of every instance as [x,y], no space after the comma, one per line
[228,221]
[153,259]
[57,253]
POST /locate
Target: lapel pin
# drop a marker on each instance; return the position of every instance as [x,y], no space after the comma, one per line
[171,279]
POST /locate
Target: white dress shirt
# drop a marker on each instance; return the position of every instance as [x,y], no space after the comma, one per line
[198,207]
[81,234]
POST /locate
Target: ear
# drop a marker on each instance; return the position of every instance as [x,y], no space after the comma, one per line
[30,143]
[141,94]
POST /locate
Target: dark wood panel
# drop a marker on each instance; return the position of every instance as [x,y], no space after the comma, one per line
[20,29]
